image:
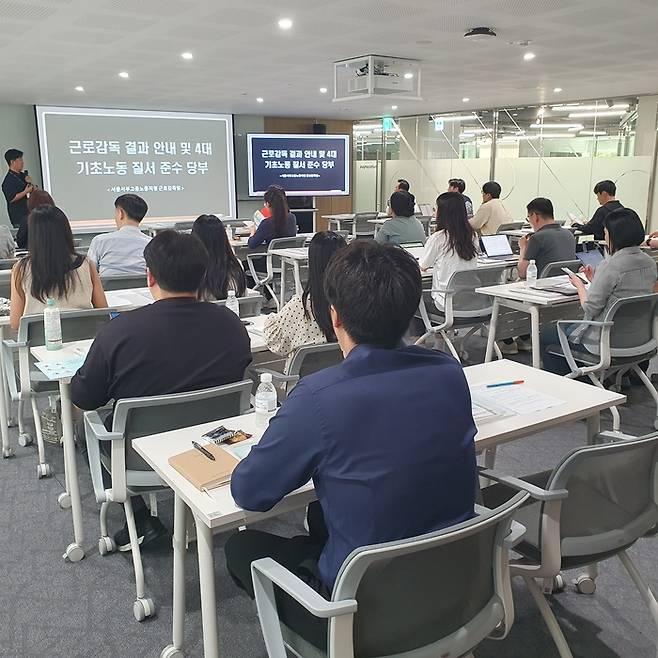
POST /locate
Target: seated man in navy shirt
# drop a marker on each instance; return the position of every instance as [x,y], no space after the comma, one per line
[386,436]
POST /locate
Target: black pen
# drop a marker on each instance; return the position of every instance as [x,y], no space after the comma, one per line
[200,448]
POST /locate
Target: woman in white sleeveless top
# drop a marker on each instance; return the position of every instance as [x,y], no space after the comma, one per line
[52,269]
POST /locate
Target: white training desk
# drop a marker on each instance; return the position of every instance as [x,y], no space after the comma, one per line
[347,218]
[218,512]
[527,300]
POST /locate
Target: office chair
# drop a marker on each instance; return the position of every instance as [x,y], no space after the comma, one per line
[440,594]
[594,505]
[131,475]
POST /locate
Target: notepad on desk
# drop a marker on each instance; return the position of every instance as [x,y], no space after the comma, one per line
[202,472]
[511,400]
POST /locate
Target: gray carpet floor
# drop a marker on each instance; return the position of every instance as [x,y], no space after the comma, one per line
[51,608]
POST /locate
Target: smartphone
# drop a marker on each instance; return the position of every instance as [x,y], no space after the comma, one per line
[580,275]
[246,323]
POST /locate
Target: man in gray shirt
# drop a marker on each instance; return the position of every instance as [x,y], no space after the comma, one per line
[403,227]
[549,243]
[121,253]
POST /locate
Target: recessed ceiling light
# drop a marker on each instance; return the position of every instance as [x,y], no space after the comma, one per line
[557,90]
[323,90]
[124,74]
[187,55]
[465,99]
[79,88]
[408,76]
[529,56]
[285,23]
[259,100]
[394,107]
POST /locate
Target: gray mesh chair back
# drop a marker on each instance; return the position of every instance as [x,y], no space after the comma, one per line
[634,330]
[361,228]
[425,221]
[7,263]
[183,226]
[555,269]
[76,325]
[311,358]
[439,594]
[511,226]
[612,496]
[121,282]
[250,305]
[5,284]
[137,417]
[467,302]
[283,243]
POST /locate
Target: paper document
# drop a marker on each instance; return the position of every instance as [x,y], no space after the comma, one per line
[517,399]
[61,369]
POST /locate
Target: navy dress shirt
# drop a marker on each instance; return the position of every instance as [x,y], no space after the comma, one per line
[387,437]
[265,232]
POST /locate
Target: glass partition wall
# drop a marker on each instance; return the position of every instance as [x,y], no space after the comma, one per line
[559,151]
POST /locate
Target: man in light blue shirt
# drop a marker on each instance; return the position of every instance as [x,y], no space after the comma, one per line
[121,253]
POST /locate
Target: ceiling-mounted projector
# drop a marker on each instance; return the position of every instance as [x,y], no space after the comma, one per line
[369,76]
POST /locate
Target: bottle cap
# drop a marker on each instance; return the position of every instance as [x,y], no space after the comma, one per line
[532,262]
[50,302]
[266,378]
[231,293]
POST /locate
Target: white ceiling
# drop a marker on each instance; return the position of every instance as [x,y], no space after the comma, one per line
[590,48]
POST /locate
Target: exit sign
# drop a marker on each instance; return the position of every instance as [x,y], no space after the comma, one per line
[388,124]
[438,125]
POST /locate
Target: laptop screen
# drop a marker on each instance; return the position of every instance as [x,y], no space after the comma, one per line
[496,245]
[426,209]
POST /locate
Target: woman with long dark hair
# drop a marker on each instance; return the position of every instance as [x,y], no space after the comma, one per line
[452,247]
[305,319]
[280,224]
[224,271]
[52,269]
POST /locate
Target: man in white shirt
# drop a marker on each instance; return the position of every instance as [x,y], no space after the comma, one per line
[492,213]
[121,253]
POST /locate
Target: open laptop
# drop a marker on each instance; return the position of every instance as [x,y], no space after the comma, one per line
[426,209]
[497,247]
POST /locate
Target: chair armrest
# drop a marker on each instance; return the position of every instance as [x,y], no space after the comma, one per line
[317,605]
[277,377]
[516,532]
[620,436]
[604,347]
[521,485]
[13,344]
[95,423]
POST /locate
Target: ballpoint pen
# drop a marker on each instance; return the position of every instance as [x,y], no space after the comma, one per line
[518,381]
[200,448]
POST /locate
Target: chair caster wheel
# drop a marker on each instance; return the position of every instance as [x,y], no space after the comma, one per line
[24,439]
[143,608]
[12,422]
[558,584]
[64,500]
[7,453]
[106,545]
[170,651]
[585,585]
[44,471]
[74,553]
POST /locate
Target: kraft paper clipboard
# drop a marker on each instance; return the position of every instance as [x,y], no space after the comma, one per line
[202,472]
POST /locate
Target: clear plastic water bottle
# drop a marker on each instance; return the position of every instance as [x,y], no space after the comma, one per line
[531,275]
[265,400]
[232,303]
[52,325]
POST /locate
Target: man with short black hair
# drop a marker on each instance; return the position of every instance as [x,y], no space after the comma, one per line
[459,185]
[606,194]
[402,185]
[16,187]
[121,253]
[386,464]
[403,227]
[550,243]
[175,345]
[492,213]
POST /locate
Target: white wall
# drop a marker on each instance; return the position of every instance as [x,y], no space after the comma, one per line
[18,129]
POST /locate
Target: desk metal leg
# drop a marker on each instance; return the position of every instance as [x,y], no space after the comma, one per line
[4,403]
[208,596]
[74,552]
[175,649]
[493,323]
[299,289]
[534,328]
[282,292]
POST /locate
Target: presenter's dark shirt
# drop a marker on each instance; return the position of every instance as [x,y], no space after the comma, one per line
[171,346]
[14,183]
[386,463]
[265,232]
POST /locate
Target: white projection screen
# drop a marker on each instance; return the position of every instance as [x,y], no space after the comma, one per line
[180,163]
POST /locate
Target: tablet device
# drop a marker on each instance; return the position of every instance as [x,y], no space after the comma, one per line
[592,258]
